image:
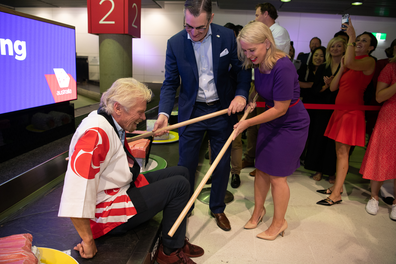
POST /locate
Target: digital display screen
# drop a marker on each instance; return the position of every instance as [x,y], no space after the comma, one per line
[37,63]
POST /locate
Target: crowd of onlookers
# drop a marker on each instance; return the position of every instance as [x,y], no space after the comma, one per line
[343,73]
[324,155]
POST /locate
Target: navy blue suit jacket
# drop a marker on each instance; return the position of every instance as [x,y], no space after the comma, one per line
[181,70]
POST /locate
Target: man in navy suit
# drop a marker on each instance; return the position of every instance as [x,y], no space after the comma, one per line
[198,60]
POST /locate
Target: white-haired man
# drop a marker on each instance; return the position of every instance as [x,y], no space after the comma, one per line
[104,192]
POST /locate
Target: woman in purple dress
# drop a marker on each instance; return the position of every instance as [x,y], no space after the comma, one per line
[283,126]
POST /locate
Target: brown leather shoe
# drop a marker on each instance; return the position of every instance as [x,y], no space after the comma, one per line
[177,257]
[191,250]
[253,173]
[222,221]
[247,164]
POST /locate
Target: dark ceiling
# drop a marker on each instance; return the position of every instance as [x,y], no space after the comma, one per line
[381,8]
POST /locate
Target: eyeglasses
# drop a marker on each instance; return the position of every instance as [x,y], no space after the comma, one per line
[200,29]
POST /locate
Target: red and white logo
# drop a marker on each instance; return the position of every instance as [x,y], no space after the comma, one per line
[63,86]
[61,77]
[89,152]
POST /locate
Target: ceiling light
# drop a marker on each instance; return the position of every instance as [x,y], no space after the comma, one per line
[285,1]
[357,3]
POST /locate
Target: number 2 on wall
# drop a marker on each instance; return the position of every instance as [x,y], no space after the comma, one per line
[102,21]
[136,14]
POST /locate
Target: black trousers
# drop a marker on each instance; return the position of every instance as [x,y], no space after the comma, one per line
[168,191]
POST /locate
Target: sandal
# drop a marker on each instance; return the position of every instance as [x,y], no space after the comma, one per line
[326,191]
[328,202]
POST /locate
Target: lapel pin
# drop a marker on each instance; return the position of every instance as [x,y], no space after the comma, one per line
[218,36]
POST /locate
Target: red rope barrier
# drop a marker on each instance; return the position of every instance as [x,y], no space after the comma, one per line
[335,107]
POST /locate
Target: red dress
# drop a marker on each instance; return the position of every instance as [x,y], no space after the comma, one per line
[346,126]
[379,162]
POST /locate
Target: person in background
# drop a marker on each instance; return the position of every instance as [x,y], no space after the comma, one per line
[320,155]
[348,127]
[313,44]
[236,145]
[306,77]
[198,62]
[251,134]
[306,73]
[370,93]
[379,162]
[231,26]
[283,126]
[292,53]
[386,189]
[267,14]
[343,35]
[391,50]
[104,192]
[237,29]
[387,192]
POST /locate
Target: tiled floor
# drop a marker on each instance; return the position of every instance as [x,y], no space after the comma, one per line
[342,233]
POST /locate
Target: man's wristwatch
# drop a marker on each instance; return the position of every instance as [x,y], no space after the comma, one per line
[353,44]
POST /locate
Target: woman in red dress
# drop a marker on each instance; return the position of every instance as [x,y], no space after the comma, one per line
[348,127]
[379,162]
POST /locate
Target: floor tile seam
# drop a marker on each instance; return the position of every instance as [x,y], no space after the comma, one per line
[365,191]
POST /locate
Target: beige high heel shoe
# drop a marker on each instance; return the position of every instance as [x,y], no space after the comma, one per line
[281,232]
[249,225]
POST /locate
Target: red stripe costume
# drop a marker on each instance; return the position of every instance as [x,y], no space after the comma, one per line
[98,177]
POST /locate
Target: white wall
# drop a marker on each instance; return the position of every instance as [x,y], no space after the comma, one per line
[158,25]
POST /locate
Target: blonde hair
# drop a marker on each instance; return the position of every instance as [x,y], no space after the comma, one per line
[256,33]
[125,91]
[331,43]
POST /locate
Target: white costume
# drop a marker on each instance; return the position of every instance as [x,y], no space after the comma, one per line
[98,176]
[281,37]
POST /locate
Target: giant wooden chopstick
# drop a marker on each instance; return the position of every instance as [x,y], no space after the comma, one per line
[185,123]
[206,177]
